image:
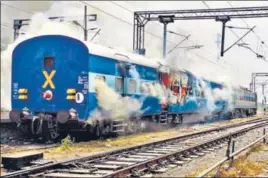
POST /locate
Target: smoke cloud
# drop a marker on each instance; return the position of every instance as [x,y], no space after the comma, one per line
[238,63]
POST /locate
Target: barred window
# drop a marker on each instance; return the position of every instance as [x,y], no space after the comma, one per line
[144,88]
[118,84]
[197,93]
[100,77]
[132,86]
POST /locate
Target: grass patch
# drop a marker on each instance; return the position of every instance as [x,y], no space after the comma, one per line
[68,149]
[255,149]
[241,166]
[196,173]
[66,144]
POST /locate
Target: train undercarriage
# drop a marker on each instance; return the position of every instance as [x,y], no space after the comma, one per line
[47,126]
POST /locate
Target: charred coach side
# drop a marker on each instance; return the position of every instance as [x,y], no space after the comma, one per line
[60,85]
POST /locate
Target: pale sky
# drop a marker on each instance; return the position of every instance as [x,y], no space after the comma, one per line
[117,30]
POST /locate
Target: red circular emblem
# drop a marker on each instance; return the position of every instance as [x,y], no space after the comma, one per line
[47,95]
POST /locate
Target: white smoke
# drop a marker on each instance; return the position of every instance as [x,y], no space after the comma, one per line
[113,105]
[133,72]
[110,35]
[40,25]
[208,95]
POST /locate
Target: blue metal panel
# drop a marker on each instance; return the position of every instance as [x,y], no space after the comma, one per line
[150,105]
[71,67]
[108,67]
[104,65]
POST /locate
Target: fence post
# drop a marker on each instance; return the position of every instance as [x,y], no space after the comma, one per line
[228,147]
[264,132]
[233,149]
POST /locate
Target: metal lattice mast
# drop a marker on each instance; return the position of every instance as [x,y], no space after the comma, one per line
[220,14]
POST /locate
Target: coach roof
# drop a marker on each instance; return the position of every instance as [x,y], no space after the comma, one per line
[122,55]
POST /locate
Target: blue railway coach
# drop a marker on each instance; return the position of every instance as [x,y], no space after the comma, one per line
[53,87]
[52,82]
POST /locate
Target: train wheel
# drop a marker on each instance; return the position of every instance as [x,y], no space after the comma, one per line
[97,131]
[140,126]
[106,130]
[181,119]
[53,135]
[131,127]
[176,120]
[50,131]
[24,129]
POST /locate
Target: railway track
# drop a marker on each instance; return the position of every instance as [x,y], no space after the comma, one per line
[140,160]
[26,144]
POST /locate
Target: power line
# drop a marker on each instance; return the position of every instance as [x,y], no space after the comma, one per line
[160,25]
[228,28]
[204,2]
[126,22]
[145,31]
[6,25]
[249,26]
[13,7]
[9,26]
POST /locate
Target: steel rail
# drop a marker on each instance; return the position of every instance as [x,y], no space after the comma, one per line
[204,173]
[127,171]
[93,158]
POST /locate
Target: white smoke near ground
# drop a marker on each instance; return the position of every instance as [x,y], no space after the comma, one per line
[112,105]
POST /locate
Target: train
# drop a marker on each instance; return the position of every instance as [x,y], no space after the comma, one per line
[55,80]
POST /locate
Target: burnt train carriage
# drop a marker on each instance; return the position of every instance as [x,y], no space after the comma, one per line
[51,82]
[53,86]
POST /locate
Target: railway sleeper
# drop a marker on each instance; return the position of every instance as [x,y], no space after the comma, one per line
[156,168]
[139,172]
[77,171]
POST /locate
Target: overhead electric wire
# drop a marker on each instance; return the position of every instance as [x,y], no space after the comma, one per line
[152,22]
[7,25]
[126,22]
[228,28]
[173,43]
[248,26]
[10,26]
[13,7]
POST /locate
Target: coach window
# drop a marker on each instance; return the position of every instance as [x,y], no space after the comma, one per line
[202,93]
[49,62]
[143,88]
[132,86]
[118,84]
[100,77]
[197,93]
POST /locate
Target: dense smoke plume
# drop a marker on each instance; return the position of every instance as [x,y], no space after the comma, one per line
[110,36]
[112,105]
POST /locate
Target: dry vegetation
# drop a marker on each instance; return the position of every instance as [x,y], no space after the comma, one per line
[69,150]
[241,166]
